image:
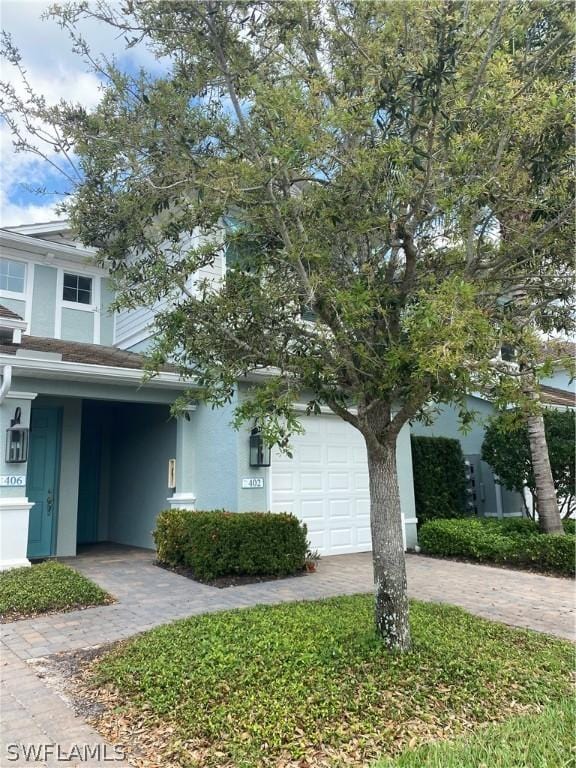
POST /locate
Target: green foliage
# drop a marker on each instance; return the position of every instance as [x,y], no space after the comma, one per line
[219,543]
[439,478]
[354,159]
[371,154]
[311,683]
[48,586]
[545,740]
[506,448]
[569,526]
[509,542]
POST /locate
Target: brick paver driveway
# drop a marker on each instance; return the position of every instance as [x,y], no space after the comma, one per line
[148,596]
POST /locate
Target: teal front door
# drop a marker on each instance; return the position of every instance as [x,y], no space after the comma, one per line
[42,480]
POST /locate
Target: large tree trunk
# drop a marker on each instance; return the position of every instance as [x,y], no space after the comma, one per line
[547,504]
[392,621]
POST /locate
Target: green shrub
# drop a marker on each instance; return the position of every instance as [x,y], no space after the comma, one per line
[217,543]
[45,587]
[439,478]
[569,526]
[507,449]
[510,542]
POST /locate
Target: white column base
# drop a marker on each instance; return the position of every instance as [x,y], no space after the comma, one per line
[14,519]
[182,501]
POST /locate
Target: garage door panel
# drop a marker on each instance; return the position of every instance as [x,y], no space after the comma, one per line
[361,481]
[327,487]
[340,537]
[339,481]
[283,482]
[337,454]
[310,454]
[339,508]
[311,481]
[312,510]
[317,540]
[363,537]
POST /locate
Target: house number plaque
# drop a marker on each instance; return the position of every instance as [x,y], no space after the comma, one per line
[252,482]
[13,481]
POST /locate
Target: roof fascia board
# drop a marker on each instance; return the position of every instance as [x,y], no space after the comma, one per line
[37,245]
[12,322]
[41,228]
[78,371]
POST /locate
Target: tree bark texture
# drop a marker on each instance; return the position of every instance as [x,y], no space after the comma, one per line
[547,504]
[391,598]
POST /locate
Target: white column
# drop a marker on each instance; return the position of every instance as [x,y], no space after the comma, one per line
[14,517]
[14,505]
[183,496]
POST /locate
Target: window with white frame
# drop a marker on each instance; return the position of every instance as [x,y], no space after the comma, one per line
[77,289]
[12,275]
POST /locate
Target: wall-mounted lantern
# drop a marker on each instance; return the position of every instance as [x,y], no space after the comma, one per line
[259,451]
[16,440]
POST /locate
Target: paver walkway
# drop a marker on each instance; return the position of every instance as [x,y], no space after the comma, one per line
[149,596]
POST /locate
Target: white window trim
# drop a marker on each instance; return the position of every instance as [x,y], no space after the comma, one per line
[61,265]
[30,275]
[26,295]
[97,296]
[17,295]
[79,304]
[93,308]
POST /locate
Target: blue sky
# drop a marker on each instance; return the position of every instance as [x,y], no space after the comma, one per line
[56,72]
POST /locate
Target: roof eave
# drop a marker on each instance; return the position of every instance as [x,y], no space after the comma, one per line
[72,371]
[42,247]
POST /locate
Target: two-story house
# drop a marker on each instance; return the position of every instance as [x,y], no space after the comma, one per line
[90,453]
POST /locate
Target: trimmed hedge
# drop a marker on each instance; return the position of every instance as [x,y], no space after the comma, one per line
[217,543]
[439,478]
[509,542]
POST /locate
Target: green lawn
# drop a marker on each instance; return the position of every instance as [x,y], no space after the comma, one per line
[282,685]
[545,740]
[46,587]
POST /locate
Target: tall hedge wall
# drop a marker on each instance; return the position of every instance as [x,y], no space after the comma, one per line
[439,478]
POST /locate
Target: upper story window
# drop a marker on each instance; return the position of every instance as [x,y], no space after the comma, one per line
[77,289]
[12,276]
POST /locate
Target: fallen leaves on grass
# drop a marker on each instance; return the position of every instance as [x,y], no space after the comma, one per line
[308,684]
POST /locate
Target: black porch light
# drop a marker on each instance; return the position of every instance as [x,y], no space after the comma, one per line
[259,451]
[16,440]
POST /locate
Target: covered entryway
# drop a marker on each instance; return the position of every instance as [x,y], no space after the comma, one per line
[97,471]
[122,485]
[325,484]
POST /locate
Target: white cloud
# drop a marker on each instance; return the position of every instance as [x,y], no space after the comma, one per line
[56,72]
[13,214]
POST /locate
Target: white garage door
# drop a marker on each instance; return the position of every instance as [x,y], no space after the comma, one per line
[325,484]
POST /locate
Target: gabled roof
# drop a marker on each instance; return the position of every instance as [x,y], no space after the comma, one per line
[553,396]
[5,312]
[556,349]
[78,352]
[41,228]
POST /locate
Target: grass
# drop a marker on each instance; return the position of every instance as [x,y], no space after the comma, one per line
[44,588]
[309,684]
[545,740]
